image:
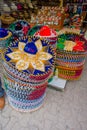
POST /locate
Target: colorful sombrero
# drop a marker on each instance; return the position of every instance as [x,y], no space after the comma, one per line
[29,57]
[5,37]
[47,33]
[19,28]
[28,64]
[71,53]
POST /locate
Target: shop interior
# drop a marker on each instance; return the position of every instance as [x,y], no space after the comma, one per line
[43,65]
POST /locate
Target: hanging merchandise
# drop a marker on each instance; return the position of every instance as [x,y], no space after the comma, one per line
[79,9]
[74,8]
[28,64]
[76,21]
[71,53]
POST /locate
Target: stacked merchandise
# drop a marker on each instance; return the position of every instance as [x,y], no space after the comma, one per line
[45,32]
[19,28]
[12,11]
[5,17]
[49,34]
[48,15]
[76,21]
[71,53]
[5,36]
[23,11]
[28,64]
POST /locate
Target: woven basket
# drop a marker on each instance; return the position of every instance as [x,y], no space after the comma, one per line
[71,63]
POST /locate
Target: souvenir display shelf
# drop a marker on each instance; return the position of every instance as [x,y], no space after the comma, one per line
[48,2]
[52,16]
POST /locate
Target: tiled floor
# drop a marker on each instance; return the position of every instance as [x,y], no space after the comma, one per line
[61,110]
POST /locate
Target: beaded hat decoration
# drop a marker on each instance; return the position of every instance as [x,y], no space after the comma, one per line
[35,55]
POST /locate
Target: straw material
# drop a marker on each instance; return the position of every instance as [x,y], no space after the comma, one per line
[70,64]
[26,89]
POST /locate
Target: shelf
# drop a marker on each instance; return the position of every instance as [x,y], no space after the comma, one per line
[77,3]
[84,21]
[84,4]
[84,11]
